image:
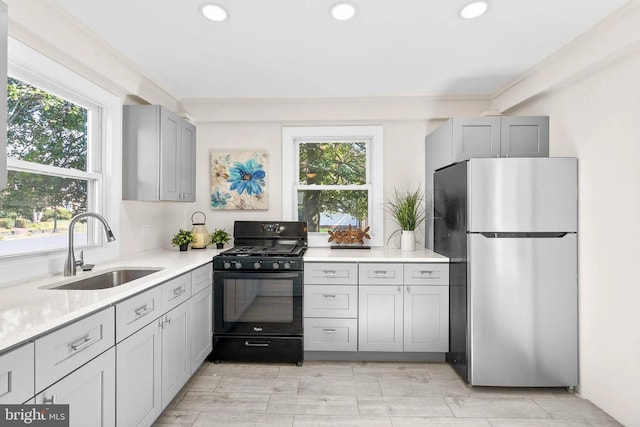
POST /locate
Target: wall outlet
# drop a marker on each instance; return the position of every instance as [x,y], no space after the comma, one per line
[145,230]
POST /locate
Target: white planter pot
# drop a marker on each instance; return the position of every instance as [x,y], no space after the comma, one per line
[408,241]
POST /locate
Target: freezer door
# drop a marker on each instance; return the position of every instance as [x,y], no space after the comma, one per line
[523,311]
[523,195]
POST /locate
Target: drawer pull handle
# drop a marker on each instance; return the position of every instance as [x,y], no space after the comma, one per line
[86,342]
[256,344]
[425,273]
[179,291]
[50,401]
[142,311]
[329,331]
[329,272]
[385,273]
[326,296]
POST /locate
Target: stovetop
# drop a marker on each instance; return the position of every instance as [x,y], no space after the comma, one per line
[266,251]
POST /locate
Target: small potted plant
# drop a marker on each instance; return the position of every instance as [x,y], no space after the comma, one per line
[182,239]
[219,237]
[408,211]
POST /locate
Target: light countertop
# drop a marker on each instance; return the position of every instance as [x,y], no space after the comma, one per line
[375,254]
[29,309]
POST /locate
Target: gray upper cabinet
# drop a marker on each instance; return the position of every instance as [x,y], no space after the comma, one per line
[158,155]
[3,96]
[462,138]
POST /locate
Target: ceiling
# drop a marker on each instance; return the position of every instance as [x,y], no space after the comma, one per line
[293,48]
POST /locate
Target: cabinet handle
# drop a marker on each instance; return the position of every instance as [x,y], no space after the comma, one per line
[160,323]
[408,289]
[329,331]
[380,272]
[86,342]
[426,272]
[325,296]
[329,272]
[143,311]
[179,291]
[256,344]
[399,288]
[51,401]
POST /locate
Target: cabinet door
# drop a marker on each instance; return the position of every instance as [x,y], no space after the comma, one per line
[524,136]
[426,318]
[176,368]
[201,326]
[90,392]
[170,131]
[138,375]
[16,375]
[187,161]
[380,318]
[476,137]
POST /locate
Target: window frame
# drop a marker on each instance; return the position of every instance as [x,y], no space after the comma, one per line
[103,173]
[372,135]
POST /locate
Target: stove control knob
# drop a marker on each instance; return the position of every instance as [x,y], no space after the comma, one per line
[275,266]
[238,265]
[257,265]
[287,265]
[227,265]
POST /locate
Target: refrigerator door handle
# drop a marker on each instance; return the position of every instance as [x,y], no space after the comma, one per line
[553,235]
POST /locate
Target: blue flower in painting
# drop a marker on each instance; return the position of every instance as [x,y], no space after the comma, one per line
[219,200]
[247,177]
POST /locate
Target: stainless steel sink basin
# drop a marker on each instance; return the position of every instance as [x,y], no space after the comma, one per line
[107,280]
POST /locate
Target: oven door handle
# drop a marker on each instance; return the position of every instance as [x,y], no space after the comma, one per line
[256,344]
[257,275]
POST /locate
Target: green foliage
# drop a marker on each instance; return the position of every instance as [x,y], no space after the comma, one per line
[407,209]
[49,213]
[219,236]
[22,223]
[7,223]
[182,237]
[46,129]
[333,163]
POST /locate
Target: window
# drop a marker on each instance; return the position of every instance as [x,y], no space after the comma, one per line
[335,181]
[55,156]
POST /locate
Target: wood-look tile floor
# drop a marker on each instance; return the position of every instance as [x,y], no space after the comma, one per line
[366,394]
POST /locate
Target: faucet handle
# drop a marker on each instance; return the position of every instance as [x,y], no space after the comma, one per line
[80,262]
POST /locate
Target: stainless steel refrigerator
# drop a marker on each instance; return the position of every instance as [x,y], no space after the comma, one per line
[509,226]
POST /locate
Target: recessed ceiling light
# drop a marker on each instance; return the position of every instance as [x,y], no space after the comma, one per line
[214,12]
[474,10]
[343,11]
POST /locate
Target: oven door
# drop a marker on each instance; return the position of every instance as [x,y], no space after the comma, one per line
[258,303]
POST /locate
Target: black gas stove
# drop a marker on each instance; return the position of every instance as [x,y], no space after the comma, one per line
[258,293]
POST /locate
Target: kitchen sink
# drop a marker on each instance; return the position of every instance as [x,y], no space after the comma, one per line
[107,280]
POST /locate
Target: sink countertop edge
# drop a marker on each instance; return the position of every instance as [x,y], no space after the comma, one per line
[28,311]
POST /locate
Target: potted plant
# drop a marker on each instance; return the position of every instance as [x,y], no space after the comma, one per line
[407,209]
[219,237]
[182,239]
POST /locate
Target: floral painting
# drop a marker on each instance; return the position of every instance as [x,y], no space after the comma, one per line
[239,180]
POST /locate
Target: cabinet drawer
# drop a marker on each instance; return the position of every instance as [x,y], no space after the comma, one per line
[330,273]
[201,277]
[330,334]
[176,291]
[427,274]
[331,301]
[380,274]
[137,312]
[66,349]
[16,375]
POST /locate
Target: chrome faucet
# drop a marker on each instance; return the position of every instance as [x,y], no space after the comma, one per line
[71,264]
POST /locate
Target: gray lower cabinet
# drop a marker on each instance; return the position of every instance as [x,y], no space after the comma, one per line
[138,377]
[89,391]
[462,138]
[17,375]
[158,155]
[331,307]
[403,307]
[200,327]
[176,367]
